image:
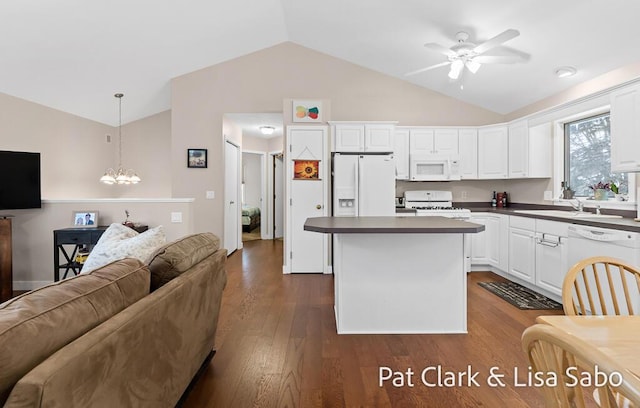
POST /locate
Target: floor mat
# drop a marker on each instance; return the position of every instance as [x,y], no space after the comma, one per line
[520,297]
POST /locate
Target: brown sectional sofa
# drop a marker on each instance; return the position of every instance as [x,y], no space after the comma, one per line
[102,339]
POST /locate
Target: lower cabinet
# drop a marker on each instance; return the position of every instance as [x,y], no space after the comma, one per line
[522,247]
[532,251]
[551,255]
[489,247]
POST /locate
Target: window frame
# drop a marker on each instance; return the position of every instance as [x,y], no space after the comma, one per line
[560,160]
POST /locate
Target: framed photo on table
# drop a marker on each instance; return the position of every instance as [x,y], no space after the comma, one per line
[85,219]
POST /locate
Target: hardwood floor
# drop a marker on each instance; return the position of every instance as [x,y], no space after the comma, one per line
[277,347]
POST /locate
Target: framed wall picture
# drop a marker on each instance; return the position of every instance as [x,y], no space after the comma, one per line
[307,111]
[85,219]
[197,158]
[306,169]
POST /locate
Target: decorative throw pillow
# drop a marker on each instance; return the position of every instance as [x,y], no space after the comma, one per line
[119,242]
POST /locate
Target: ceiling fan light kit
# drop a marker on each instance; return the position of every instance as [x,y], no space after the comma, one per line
[467,54]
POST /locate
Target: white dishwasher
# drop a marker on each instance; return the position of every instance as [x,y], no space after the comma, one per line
[585,242]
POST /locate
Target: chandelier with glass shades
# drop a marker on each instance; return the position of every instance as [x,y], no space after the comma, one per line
[120,176]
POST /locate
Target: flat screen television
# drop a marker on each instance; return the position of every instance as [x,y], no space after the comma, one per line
[20,185]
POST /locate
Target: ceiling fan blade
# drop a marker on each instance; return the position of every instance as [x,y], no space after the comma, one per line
[494,59]
[418,71]
[497,40]
[441,49]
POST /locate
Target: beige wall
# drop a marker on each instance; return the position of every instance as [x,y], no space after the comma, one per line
[73,150]
[261,81]
[33,229]
[147,149]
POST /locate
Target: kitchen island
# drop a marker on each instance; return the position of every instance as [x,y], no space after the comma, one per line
[398,275]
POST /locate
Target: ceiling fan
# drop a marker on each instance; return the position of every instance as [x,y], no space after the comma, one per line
[467,54]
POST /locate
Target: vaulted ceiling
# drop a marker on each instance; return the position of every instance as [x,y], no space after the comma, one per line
[73,55]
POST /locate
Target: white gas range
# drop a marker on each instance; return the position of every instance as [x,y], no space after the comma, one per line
[434,203]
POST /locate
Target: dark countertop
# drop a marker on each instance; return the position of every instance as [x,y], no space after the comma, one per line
[626,223]
[390,225]
[623,224]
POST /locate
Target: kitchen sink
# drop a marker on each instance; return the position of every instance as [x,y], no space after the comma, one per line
[567,214]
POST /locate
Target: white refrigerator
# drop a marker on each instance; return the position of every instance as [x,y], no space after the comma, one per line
[364,184]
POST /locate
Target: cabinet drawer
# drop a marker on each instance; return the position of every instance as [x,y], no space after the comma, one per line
[74,237]
[522,223]
[560,229]
[95,235]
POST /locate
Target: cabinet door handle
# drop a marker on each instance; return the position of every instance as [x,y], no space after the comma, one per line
[318,207]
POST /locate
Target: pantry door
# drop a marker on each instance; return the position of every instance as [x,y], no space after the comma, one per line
[306,251]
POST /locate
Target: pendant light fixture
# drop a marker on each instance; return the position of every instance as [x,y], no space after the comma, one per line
[120,176]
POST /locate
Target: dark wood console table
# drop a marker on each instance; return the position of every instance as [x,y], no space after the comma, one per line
[78,237]
[6,272]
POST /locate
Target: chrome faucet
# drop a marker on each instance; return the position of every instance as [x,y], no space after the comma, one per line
[578,207]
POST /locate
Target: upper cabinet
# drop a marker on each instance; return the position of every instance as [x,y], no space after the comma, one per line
[433,141]
[363,136]
[401,153]
[518,149]
[468,147]
[625,129]
[493,152]
[529,150]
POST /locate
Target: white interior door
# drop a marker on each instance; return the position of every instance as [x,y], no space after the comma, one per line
[278,196]
[306,251]
[231,197]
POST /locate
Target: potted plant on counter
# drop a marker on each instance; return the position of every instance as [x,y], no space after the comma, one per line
[600,191]
[615,189]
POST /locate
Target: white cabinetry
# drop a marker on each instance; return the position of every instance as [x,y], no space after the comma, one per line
[522,247]
[518,149]
[551,255]
[489,247]
[625,129]
[529,150]
[363,137]
[468,147]
[401,153]
[433,141]
[493,152]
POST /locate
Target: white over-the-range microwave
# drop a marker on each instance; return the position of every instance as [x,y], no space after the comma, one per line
[434,167]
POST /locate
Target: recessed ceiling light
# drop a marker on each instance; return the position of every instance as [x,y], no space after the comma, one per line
[564,72]
[267,130]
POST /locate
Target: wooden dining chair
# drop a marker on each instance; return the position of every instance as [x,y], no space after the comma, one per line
[552,350]
[601,286]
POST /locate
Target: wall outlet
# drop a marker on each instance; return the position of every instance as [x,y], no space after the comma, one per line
[107,138]
[464,195]
[210,195]
[176,217]
[548,195]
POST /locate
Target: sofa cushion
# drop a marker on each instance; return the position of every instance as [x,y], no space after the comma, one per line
[178,256]
[38,323]
[119,241]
